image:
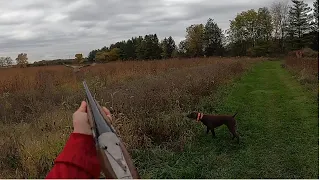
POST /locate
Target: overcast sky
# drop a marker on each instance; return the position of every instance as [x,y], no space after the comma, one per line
[60,28]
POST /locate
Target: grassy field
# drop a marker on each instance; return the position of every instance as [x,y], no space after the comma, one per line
[278,120]
[148,99]
[278,126]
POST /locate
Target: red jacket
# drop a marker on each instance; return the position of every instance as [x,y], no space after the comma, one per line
[78,160]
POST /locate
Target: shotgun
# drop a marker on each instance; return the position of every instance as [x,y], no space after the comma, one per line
[115,160]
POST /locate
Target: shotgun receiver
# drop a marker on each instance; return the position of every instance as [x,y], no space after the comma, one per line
[115,160]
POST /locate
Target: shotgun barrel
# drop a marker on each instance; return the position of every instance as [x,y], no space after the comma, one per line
[114,158]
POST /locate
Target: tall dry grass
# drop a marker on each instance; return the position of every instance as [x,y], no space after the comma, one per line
[305,69]
[148,100]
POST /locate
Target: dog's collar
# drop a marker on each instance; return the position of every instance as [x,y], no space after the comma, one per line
[199,116]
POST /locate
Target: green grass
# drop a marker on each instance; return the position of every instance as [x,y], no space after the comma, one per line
[278,127]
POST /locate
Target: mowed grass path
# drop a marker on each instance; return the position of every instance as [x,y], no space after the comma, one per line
[278,125]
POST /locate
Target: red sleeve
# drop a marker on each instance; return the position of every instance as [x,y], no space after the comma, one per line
[78,160]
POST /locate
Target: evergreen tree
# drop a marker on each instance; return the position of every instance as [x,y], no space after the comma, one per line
[171,47]
[299,23]
[92,55]
[168,47]
[212,38]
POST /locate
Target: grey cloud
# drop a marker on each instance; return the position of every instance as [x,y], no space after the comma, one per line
[61,28]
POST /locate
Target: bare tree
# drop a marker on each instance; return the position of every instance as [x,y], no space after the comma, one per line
[5,61]
[2,62]
[280,14]
[8,61]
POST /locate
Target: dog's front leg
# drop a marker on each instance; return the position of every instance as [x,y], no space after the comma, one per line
[213,133]
[208,130]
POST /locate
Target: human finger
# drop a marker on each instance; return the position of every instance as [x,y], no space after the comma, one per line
[83,107]
[105,110]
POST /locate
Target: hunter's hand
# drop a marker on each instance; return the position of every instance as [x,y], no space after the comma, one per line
[81,122]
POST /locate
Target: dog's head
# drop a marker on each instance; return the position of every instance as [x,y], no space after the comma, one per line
[193,115]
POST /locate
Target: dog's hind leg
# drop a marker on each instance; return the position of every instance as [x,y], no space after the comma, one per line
[208,130]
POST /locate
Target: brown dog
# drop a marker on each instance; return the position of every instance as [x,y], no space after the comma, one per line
[213,121]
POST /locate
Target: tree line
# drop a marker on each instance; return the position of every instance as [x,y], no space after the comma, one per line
[277,30]
[200,40]
[147,47]
[263,32]
[267,31]
[21,61]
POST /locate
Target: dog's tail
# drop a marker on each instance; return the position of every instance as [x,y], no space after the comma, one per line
[235,114]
